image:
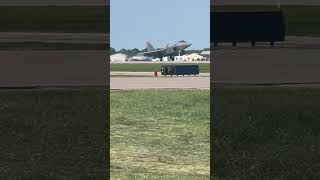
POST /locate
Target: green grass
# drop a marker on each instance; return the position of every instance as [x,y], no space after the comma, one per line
[300,20]
[53,135]
[74,19]
[266,134]
[160,134]
[203,68]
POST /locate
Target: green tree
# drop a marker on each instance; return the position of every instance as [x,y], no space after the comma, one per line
[112,51]
[123,51]
[144,50]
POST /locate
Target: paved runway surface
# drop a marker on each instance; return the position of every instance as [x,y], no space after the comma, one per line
[295,61]
[266,66]
[131,83]
[53,68]
[88,38]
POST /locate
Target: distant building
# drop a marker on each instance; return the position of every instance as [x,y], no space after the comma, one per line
[195,57]
[206,55]
[181,58]
[118,57]
[163,59]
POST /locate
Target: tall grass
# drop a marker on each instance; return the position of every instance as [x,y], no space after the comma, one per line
[160,134]
[265,134]
[53,135]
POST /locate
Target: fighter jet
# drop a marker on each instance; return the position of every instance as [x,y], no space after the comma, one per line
[171,51]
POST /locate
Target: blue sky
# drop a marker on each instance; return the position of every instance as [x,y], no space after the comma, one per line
[133,22]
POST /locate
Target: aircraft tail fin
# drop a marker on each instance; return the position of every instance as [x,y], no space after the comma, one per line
[149,46]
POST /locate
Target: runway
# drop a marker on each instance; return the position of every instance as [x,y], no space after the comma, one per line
[294,61]
[266,66]
[88,38]
[134,83]
[22,69]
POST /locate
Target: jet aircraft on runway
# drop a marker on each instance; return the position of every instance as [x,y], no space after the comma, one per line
[171,51]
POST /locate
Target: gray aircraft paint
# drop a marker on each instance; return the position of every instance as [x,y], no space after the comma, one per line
[167,51]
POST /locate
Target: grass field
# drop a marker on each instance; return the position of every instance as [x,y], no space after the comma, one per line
[300,20]
[203,68]
[55,19]
[53,135]
[265,134]
[160,134]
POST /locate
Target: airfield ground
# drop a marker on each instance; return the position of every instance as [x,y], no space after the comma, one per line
[294,61]
[53,68]
[268,120]
[265,133]
[160,134]
[23,41]
[52,37]
[58,134]
[258,133]
[261,131]
[53,134]
[174,82]
[269,66]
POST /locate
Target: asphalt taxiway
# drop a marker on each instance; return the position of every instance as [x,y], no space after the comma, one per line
[88,38]
[24,69]
[293,62]
[174,82]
